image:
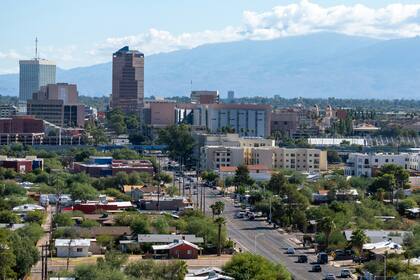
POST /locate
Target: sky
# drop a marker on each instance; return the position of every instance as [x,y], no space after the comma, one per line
[76,33]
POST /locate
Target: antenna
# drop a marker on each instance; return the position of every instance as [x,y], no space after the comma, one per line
[36,47]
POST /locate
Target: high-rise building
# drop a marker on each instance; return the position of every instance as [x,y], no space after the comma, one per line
[231,96]
[57,104]
[127,80]
[33,74]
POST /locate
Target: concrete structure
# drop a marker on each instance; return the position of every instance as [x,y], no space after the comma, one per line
[22,165]
[162,113]
[107,166]
[327,142]
[33,74]
[57,104]
[127,80]
[164,203]
[299,159]
[204,96]
[359,164]
[7,110]
[21,129]
[72,248]
[285,121]
[244,119]
[231,96]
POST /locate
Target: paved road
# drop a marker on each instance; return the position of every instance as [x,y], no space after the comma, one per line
[269,243]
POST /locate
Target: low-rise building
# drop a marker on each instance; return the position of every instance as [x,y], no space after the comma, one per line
[7,110]
[164,203]
[107,166]
[257,172]
[179,249]
[22,165]
[72,248]
[359,164]
[21,129]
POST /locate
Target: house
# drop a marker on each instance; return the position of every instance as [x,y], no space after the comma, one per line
[320,197]
[380,248]
[208,273]
[413,212]
[347,195]
[377,236]
[139,192]
[91,207]
[113,231]
[11,226]
[179,249]
[25,208]
[157,239]
[72,248]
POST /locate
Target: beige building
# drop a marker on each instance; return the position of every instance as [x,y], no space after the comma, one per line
[299,159]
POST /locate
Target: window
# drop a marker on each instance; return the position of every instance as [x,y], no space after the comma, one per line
[189,252]
[79,250]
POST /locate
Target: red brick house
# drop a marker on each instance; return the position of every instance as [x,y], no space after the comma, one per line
[179,249]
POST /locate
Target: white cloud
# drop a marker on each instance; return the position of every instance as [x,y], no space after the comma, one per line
[305,17]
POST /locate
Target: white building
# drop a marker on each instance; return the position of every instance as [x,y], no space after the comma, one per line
[72,247]
[244,119]
[359,164]
[7,110]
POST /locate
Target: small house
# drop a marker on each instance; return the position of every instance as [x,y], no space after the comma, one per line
[179,249]
[72,248]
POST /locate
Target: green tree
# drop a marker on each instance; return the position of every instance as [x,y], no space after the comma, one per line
[277,183]
[327,226]
[35,217]
[247,266]
[81,191]
[63,220]
[242,177]
[180,143]
[8,217]
[220,221]
[209,176]
[358,239]
[140,225]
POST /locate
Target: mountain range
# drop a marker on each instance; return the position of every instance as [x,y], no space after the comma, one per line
[316,65]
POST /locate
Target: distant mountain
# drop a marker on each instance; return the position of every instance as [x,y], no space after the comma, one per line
[316,65]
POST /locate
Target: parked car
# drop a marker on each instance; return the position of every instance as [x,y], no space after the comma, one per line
[240,214]
[237,204]
[251,216]
[322,258]
[345,273]
[316,268]
[290,251]
[302,259]
[330,276]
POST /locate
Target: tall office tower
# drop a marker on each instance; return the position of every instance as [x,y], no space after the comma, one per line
[127,80]
[33,74]
[231,96]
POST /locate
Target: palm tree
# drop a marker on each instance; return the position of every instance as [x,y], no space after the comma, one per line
[217,208]
[327,226]
[220,221]
[358,239]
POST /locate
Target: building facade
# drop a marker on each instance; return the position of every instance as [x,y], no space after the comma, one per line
[21,129]
[244,119]
[7,110]
[57,104]
[299,159]
[127,80]
[204,97]
[359,164]
[33,74]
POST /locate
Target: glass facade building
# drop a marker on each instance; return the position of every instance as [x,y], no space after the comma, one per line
[33,74]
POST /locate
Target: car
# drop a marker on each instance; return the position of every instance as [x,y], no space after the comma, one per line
[316,268]
[237,204]
[345,273]
[329,276]
[322,258]
[240,215]
[302,259]
[251,216]
[290,251]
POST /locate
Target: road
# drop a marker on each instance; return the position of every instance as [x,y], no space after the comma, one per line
[258,237]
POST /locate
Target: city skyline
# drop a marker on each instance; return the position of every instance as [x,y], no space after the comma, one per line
[184,25]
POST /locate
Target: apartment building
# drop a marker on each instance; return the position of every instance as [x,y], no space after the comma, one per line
[7,110]
[299,159]
[359,164]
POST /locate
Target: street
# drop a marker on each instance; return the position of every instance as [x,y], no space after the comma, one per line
[258,237]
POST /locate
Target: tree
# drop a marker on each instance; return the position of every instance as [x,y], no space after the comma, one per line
[327,226]
[63,220]
[220,221]
[242,177]
[209,176]
[80,191]
[247,266]
[140,225]
[277,183]
[180,143]
[151,270]
[7,258]
[106,241]
[35,217]
[8,217]
[358,239]
[217,208]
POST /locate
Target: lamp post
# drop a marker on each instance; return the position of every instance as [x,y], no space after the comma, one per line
[255,240]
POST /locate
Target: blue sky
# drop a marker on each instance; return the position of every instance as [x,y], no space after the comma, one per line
[84,32]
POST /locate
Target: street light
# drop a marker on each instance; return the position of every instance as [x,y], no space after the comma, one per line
[255,240]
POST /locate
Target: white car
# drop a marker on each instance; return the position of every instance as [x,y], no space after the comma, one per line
[240,214]
[290,251]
